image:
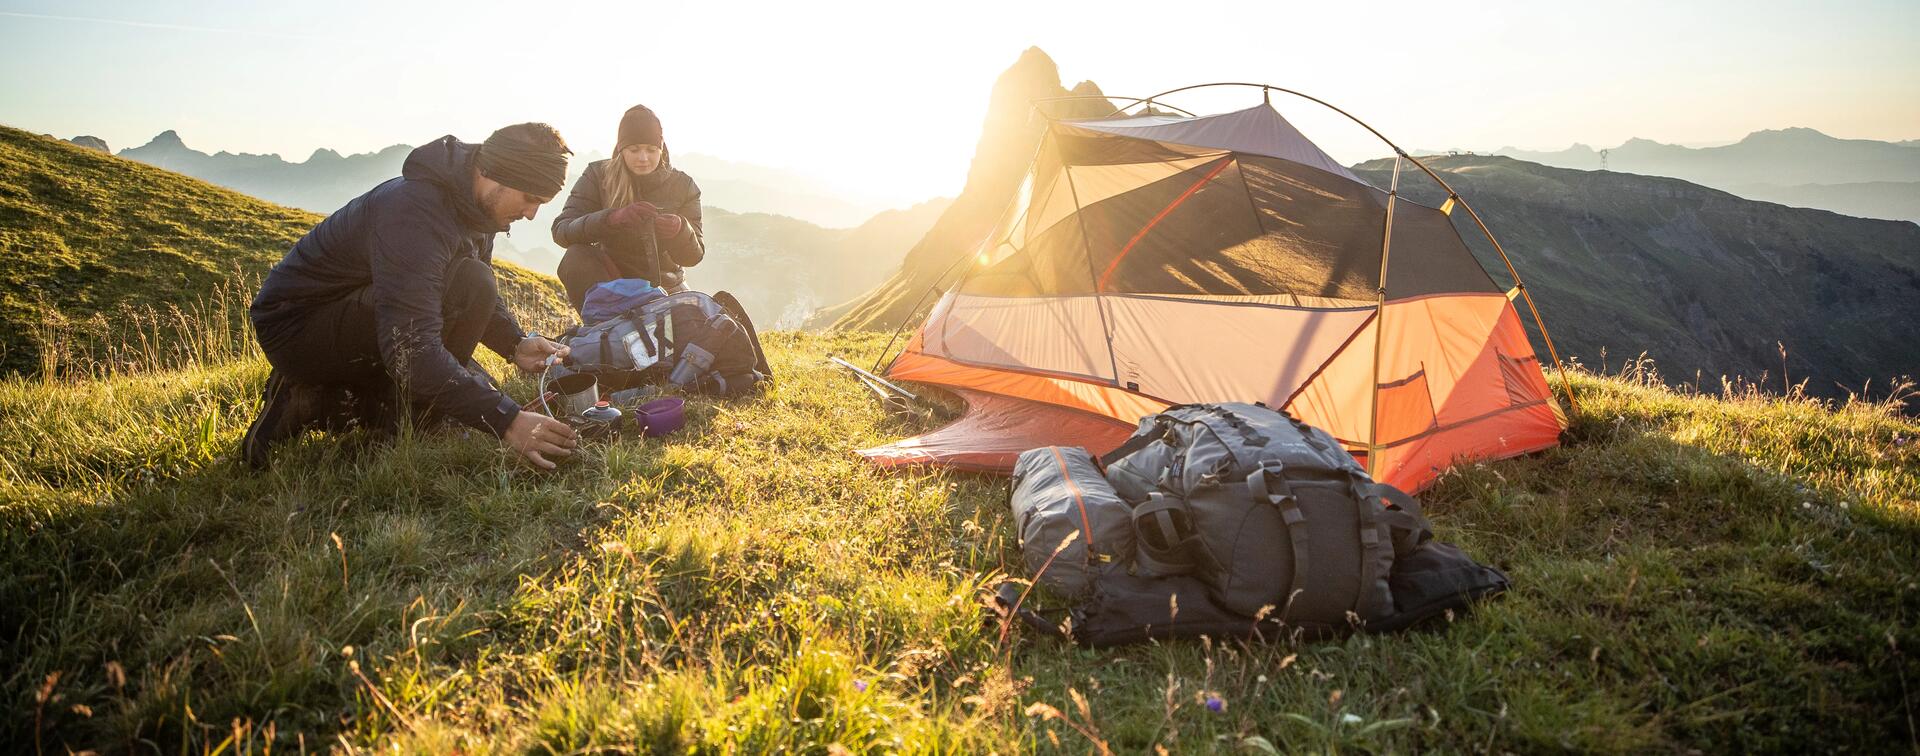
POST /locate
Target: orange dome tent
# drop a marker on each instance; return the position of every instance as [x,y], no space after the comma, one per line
[1159,259]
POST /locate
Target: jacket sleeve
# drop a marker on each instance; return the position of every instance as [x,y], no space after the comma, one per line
[503,333]
[583,220]
[690,247]
[408,253]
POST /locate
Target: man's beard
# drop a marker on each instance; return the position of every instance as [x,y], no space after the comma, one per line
[489,204]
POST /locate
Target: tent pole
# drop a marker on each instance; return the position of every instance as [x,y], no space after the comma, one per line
[904,321]
[1266,91]
[1086,246]
[1380,327]
[1573,405]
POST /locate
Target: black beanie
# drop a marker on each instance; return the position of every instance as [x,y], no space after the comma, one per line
[639,126]
[521,160]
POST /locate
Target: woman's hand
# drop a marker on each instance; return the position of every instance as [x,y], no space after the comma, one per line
[634,214]
[668,225]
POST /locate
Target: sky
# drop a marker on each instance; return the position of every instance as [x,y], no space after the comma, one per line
[884,100]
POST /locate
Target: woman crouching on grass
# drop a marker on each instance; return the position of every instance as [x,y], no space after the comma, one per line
[630,216]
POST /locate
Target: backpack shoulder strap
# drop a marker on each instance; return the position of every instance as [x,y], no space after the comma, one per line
[1135,443]
[733,307]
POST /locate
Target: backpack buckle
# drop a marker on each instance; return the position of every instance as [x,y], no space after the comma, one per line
[1268,483]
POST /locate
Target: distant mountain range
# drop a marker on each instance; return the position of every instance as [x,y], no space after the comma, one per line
[778,240]
[782,269]
[1800,167]
[1702,280]
[326,179]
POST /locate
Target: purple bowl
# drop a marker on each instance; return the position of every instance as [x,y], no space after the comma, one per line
[661,416]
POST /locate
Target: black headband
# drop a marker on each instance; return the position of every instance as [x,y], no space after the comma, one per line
[539,171]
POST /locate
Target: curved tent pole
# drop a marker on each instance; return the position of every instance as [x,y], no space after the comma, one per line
[1573,404]
[1132,100]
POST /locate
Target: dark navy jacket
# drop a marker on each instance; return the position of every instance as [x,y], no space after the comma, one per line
[400,239]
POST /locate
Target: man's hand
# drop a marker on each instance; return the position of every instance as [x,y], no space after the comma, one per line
[668,225]
[537,437]
[534,352]
[633,215]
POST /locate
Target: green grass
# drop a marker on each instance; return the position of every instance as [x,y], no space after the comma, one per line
[1720,574]
[1691,572]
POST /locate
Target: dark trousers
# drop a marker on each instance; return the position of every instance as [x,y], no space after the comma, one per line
[585,266]
[335,343]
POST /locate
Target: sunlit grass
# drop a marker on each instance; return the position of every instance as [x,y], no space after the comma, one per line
[1729,572]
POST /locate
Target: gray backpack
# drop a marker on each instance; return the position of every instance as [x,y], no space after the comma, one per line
[1248,521]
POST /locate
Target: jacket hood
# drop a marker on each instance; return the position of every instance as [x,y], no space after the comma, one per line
[447,163]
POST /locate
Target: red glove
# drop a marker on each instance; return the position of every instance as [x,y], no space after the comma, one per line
[633,214]
[668,225]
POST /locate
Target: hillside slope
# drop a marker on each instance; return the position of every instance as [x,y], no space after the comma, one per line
[1690,573]
[1700,279]
[783,269]
[87,234]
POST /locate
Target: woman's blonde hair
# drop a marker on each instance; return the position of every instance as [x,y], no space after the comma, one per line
[620,187]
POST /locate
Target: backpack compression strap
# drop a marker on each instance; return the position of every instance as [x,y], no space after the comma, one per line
[1269,484]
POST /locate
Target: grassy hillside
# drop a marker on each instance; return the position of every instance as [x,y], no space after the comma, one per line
[1690,573]
[98,238]
[1704,281]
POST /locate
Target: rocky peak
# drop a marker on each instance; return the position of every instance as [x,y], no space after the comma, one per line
[92,143]
[168,139]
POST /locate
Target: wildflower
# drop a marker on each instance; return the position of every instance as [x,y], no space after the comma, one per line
[860,685]
[1215,703]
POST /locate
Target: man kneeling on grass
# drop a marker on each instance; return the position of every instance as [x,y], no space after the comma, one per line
[380,306]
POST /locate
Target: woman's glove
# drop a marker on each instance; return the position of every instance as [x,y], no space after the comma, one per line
[634,214]
[668,225]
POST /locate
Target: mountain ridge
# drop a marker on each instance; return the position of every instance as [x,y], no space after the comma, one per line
[1769,165]
[327,179]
